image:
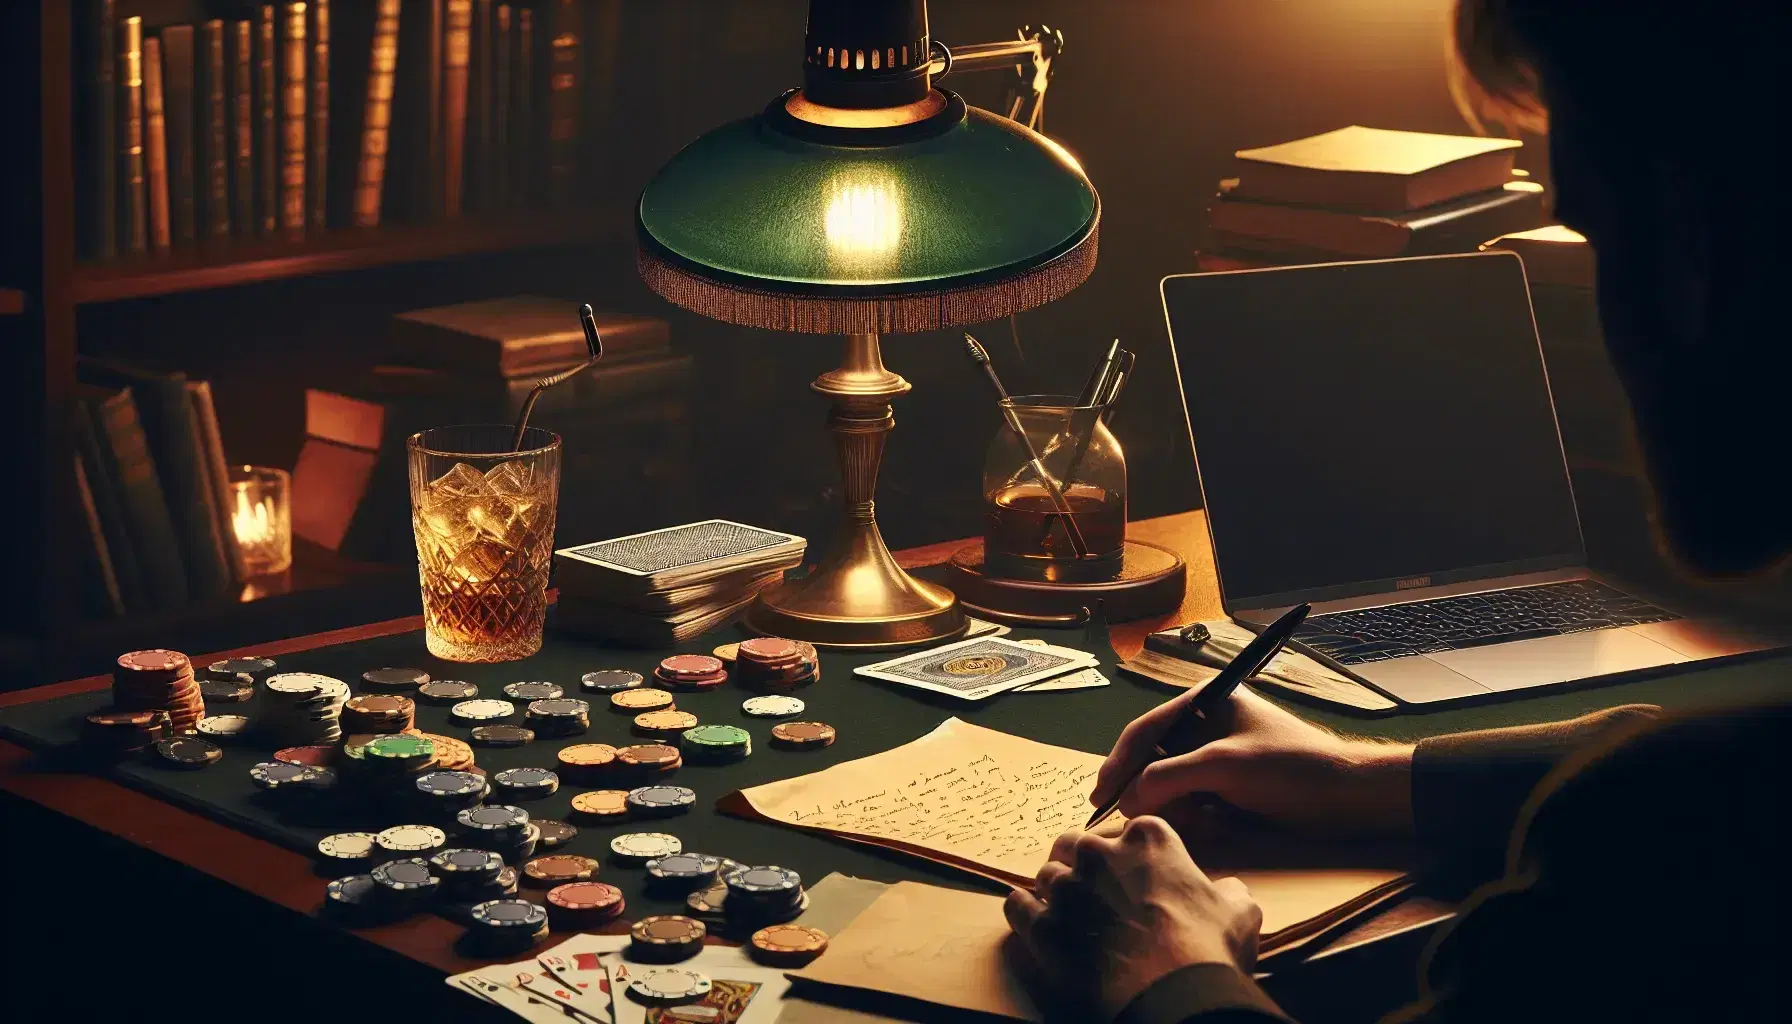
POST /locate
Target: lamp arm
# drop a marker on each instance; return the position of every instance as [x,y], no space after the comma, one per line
[1031,56]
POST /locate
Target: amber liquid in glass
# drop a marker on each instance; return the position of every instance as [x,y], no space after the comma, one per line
[1022,521]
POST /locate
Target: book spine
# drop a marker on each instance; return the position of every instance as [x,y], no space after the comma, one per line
[211,440]
[182,140]
[242,127]
[457,44]
[141,500]
[563,104]
[479,110]
[267,145]
[522,92]
[317,157]
[134,211]
[101,112]
[376,122]
[187,483]
[292,59]
[155,145]
[498,162]
[100,580]
[104,491]
[217,133]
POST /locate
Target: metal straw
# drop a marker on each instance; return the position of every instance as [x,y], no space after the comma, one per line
[593,343]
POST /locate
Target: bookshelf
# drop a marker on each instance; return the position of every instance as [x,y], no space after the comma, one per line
[56,304]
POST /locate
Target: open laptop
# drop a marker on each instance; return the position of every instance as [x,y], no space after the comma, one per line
[1378,439]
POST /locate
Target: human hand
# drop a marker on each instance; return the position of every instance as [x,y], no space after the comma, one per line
[1271,763]
[1109,916]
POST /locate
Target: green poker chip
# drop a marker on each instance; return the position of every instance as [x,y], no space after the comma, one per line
[399,748]
[717,743]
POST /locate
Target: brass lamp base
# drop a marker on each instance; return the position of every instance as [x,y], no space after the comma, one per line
[858,597]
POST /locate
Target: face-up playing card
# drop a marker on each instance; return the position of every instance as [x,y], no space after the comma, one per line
[1082,679]
[975,669]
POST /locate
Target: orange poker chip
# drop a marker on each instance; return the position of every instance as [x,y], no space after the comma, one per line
[596,898]
[727,653]
[316,755]
[560,868]
[769,649]
[587,755]
[641,699]
[665,724]
[803,735]
[691,666]
[788,945]
[156,659]
[602,803]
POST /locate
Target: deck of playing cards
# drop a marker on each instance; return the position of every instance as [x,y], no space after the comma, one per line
[984,667]
[666,586]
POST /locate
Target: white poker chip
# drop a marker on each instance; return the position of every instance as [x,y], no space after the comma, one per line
[773,705]
[483,709]
[295,683]
[347,846]
[668,985]
[223,726]
[411,838]
[646,845]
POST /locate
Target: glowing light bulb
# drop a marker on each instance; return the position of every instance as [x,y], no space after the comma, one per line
[864,216]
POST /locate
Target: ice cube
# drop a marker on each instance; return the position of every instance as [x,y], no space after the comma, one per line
[480,560]
[496,518]
[452,517]
[461,481]
[512,479]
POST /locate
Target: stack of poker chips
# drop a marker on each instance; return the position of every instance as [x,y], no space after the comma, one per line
[442,794]
[559,716]
[452,755]
[717,744]
[694,672]
[761,896]
[116,733]
[665,938]
[302,709]
[559,869]
[232,680]
[576,906]
[159,680]
[404,886]
[585,763]
[640,763]
[413,841]
[289,782]
[677,875]
[391,763]
[394,680]
[506,925]
[517,784]
[469,877]
[775,665]
[503,829]
[378,713]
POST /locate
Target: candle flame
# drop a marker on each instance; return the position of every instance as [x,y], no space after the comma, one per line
[252,522]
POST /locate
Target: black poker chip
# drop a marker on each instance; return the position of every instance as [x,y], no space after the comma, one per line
[684,871]
[465,866]
[395,678]
[554,834]
[494,818]
[502,735]
[532,691]
[188,751]
[232,689]
[611,680]
[251,667]
[526,783]
[451,785]
[559,707]
[447,691]
[661,801]
[408,877]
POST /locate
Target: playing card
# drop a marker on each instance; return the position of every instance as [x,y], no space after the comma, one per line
[1082,679]
[741,992]
[978,627]
[533,1008]
[546,986]
[674,556]
[975,669]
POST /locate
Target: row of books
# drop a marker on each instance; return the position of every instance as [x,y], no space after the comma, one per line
[303,116]
[1368,193]
[154,492]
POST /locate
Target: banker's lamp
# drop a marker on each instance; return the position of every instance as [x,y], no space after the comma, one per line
[866,203]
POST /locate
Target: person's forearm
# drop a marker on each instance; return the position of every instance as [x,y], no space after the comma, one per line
[1203,994]
[1467,788]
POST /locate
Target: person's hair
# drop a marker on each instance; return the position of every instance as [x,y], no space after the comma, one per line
[1492,76]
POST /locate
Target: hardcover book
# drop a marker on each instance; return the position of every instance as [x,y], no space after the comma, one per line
[132,470]
[178,98]
[457,46]
[376,117]
[317,155]
[132,171]
[155,146]
[267,135]
[292,59]
[215,149]
[1375,169]
[98,98]
[242,127]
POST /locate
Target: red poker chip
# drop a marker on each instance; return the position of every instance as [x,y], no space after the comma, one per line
[595,900]
[686,666]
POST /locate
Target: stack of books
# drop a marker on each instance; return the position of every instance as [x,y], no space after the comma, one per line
[1367,193]
[321,114]
[154,495]
[666,586]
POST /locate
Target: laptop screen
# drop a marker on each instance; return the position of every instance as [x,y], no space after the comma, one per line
[1367,427]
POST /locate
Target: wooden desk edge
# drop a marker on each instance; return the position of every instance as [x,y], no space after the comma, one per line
[287,878]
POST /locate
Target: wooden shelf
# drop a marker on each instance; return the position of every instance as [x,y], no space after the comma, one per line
[249,261]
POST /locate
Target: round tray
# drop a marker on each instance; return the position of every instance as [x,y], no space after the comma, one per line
[1150,583]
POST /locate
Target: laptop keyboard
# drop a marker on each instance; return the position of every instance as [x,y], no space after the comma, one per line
[1473,620]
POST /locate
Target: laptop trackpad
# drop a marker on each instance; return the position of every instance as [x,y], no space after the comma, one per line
[1557,659]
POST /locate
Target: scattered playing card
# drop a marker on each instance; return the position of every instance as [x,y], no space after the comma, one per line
[1083,679]
[975,669]
[980,627]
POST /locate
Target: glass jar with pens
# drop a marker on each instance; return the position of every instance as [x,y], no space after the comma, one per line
[1066,524]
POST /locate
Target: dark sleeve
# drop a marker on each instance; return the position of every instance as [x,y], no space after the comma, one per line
[1467,788]
[1203,993]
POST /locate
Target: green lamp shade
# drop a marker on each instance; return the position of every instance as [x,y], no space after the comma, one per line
[753,225]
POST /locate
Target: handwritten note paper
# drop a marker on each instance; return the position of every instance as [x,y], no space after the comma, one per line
[974,797]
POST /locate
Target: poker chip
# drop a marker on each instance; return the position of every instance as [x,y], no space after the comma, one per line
[223,726]
[708,902]
[560,716]
[582,904]
[509,914]
[301,708]
[585,757]
[560,868]
[463,866]
[661,801]
[633,702]
[611,680]
[347,846]
[379,713]
[668,985]
[602,804]
[651,758]
[233,667]
[788,945]
[233,690]
[526,783]
[493,819]
[157,661]
[532,691]
[483,709]
[394,678]
[446,691]
[271,775]
[664,725]
[501,735]
[316,755]
[636,848]
[717,744]
[399,751]
[773,663]
[666,937]
[682,872]
[457,789]
[803,735]
[764,880]
[690,666]
[768,650]
[761,896]
[554,834]
[519,848]
[350,896]
[727,653]
[773,705]
[114,733]
[411,839]
[405,875]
